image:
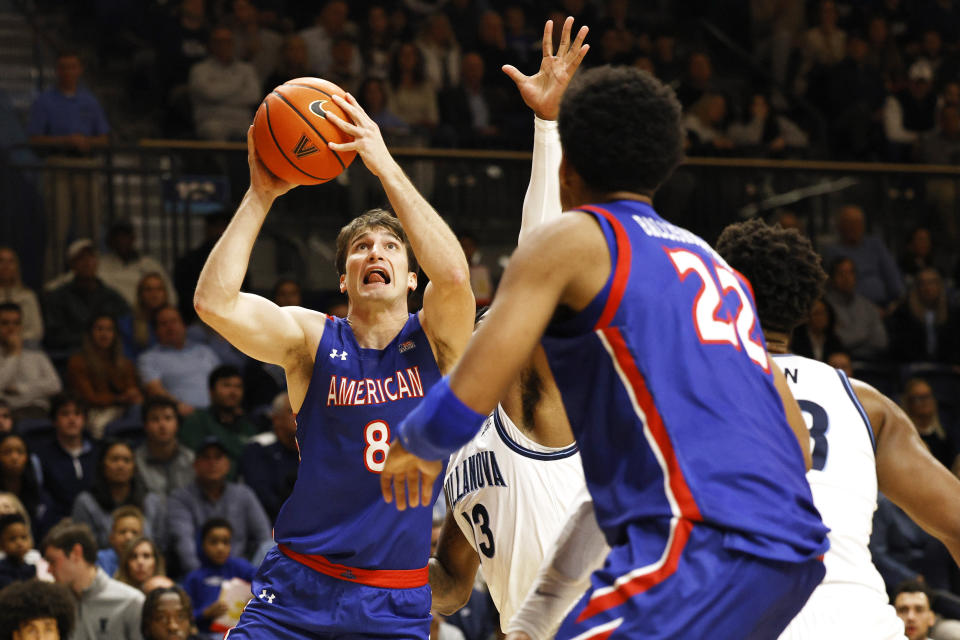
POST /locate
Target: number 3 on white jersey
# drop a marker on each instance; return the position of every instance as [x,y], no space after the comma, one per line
[377,437]
[712,329]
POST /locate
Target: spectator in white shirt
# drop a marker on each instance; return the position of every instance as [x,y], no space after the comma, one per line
[122,267]
[27,377]
[224,91]
[12,290]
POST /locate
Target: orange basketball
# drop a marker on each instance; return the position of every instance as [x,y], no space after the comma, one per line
[291,132]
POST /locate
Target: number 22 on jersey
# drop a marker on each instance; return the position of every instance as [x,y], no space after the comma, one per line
[711,328]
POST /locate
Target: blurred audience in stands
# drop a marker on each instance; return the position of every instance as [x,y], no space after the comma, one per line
[13,290]
[163,463]
[925,328]
[921,406]
[224,91]
[224,418]
[123,267]
[18,476]
[141,560]
[858,322]
[138,329]
[816,338]
[27,376]
[270,467]
[410,96]
[127,523]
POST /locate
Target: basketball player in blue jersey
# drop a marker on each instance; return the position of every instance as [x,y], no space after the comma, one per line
[695,472]
[862,442]
[346,564]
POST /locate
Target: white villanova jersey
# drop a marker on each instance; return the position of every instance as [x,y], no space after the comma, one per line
[851,602]
[510,497]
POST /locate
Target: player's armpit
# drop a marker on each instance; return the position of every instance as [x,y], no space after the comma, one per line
[908,474]
[793,413]
[452,569]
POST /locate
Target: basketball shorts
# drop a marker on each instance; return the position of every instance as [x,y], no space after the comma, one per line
[291,601]
[703,590]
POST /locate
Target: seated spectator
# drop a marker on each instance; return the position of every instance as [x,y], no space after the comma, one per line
[876,271]
[373,98]
[212,495]
[766,132]
[216,566]
[13,290]
[911,112]
[174,368]
[665,59]
[117,484]
[920,405]
[163,463]
[37,609]
[851,94]
[706,124]
[137,330]
[257,45]
[841,360]
[69,308]
[918,254]
[202,333]
[123,267]
[15,542]
[140,560]
[441,52]
[524,44]
[858,322]
[912,601]
[224,91]
[941,145]
[816,338]
[822,47]
[27,377]
[493,49]
[127,524]
[331,22]
[474,111]
[102,376]
[224,418]
[883,54]
[167,614]
[18,476]
[157,582]
[292,63]
[698,80]
[106,607]
[925,328]
[411,97]
[345,70]
[376,42]
[6,417]
[68,463]
[271,469]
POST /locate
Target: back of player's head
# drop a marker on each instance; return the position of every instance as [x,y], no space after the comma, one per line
[782,268]
[620,129]
[215,523]
[67,534]
[372,219]
[22,602]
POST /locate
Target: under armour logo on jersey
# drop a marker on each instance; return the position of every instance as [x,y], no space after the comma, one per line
[406,346]
[304,147]
[269,598]
[338,354]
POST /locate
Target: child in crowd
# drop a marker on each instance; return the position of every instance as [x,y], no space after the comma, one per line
[15,542]
[203,584]
[127,525]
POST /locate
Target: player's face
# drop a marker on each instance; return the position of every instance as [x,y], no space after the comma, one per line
[914,610]
[377,267]
[216,545]
[124,530]
[170,620]
[37,629]
[142,563]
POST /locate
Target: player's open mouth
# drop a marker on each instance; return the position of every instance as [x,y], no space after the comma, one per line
[376,275]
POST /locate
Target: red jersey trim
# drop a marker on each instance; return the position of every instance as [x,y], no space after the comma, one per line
[621,270]
[383,578]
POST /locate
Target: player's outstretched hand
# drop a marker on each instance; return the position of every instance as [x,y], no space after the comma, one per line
[262,180]
[367,139]
[543,90]
[407,479]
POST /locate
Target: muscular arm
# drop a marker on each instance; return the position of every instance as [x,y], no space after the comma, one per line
[453,569]
[908,474]
[793,413]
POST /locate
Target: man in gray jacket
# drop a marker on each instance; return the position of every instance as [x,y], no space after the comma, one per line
[106,608]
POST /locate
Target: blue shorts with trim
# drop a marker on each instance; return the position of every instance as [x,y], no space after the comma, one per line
[714,592]
[292,602]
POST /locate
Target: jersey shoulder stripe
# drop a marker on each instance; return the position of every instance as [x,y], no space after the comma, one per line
[519,449]
[621,269]
[860,409]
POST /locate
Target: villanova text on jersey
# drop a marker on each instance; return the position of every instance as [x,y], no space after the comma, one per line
[346,391]
[476,472]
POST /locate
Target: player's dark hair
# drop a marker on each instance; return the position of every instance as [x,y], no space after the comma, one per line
[914,586]
[215,523]
[9,519]
[782,268]
[29,600]
[66,534]
[152,601]
[222,372]
[372,219]
[620,129]
[153,403]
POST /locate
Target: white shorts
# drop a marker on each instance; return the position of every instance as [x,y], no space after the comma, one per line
[845,611]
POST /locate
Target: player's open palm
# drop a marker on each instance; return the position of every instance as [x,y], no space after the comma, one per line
[367,139]
[408,479]
[262,180]
[543,90]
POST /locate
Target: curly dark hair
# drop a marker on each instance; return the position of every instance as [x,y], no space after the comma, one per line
[620,129]
[152,602]
[22,602]
[782,267]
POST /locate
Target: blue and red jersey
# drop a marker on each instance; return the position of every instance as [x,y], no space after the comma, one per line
[667,384]
[355,398]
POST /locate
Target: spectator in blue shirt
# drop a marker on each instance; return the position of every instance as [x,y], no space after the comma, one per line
[68,115]
[217,565]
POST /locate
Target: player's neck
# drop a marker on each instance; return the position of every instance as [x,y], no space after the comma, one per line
[777,341]
[374,327]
